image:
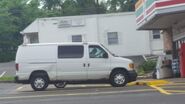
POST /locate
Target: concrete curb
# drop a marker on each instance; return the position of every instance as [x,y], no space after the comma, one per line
[149,82]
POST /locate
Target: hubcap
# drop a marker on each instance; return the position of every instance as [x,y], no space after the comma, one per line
[119,79]
[39,83]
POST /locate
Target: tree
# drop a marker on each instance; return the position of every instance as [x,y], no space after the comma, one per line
[70,7]
[14,17]
[121,5]
[73,7]
[127,5]
[112,5]
[91,7]
[53,4]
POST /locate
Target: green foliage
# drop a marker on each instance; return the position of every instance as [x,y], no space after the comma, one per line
[73,7]
[121,5]
[7,78]
[147,67]
[7,56]
[14,17]
[90,7]
[70,7]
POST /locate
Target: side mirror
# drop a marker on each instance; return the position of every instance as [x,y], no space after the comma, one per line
[105,55]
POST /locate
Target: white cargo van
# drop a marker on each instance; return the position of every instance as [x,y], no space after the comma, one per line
[64,63]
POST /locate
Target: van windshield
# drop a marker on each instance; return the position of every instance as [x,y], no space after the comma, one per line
[109,51]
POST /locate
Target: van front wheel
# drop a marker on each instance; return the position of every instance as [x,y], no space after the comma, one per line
[118,78]
[39,82]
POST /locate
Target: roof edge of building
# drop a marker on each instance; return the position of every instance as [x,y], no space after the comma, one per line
[91,15]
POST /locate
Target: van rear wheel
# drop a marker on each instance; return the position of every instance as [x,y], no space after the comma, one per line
[39,82]
[60,84]
[118,78]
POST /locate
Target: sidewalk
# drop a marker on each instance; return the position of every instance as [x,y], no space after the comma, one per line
[176,80]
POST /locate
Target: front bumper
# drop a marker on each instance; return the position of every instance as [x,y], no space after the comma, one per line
[132,75]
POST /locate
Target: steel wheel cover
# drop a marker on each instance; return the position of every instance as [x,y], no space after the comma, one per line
[119,79]
[39,83]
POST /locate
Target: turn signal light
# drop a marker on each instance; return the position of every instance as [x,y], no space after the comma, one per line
[17,67]
[131,65]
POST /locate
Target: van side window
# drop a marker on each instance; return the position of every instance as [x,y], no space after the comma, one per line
[96,52]
[70,51]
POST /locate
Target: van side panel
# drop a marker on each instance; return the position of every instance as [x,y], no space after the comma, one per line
[33,58]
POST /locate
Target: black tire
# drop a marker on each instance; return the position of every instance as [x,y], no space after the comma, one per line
[118,78]
[154,74]
[60,84]
[39,82]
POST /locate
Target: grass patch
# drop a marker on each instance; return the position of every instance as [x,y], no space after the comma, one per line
[7,78]
[141,72]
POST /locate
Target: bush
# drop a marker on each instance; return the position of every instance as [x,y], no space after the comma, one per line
[7,56]
[147,66]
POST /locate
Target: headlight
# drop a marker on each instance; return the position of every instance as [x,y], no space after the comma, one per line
[131,65]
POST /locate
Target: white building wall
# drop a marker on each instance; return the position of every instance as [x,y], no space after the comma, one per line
[49,31]
[131,41]
[157,45]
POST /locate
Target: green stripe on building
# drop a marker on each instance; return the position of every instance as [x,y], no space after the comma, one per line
[139,11]
[149,2]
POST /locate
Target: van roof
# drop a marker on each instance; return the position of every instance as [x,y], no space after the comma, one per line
[63,43]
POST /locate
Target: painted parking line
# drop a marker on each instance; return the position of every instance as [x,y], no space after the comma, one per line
[3,74]
[27,88]
[89,85]
[161,90]
[23,88]
[76,94]
[173,86]
[19,88]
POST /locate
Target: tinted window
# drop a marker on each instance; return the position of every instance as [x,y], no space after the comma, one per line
[156,36]
[70,51]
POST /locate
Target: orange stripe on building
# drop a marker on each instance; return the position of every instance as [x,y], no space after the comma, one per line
[138,4]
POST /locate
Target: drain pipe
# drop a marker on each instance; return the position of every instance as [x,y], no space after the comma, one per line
[144,57]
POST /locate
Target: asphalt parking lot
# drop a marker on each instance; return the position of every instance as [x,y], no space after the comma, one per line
[172,93]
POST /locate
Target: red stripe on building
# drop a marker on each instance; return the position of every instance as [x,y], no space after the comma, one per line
[168,3]
[150,9]
[140,18]
[140,22]
[157,5]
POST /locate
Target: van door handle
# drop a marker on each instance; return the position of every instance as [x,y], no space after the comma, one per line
[88,64]
[84,65]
